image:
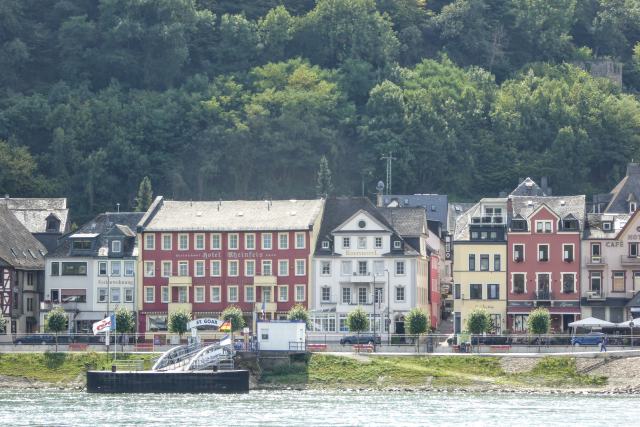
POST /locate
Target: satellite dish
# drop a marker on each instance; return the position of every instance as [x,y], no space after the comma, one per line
[380,186]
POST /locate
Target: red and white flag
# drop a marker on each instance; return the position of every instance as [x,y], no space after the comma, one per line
[104,325]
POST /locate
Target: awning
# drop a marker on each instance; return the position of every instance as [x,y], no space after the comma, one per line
[591,322]
[627,324]
[74,292]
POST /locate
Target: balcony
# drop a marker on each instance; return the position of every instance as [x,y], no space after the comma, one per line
[269,307]
[328,302]
[628,260]
[180,281]
[595,295]
[361,278]
[595,261]
[488,220]
[543,295]
[265,281]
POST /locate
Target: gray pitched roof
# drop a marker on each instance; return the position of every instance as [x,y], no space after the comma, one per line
[408,222]
[528,187]
[456,210]
[593,226]
[170,215]
[18,247]
[562,206]
[33,212]
[628,188]
[436,205]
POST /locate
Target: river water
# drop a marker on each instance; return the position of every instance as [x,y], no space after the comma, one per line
[314,408]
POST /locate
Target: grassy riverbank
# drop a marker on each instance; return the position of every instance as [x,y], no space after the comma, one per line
[328,371]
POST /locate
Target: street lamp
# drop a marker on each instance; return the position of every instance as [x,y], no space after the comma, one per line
[374,311]
[388,302]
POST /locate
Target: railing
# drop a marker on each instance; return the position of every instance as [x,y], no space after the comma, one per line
[629,260]
[208,357]
[595,261]
[595,295]
[176,356]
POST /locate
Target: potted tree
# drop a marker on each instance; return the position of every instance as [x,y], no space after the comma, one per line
[416,322]
[358,321]
[56,322]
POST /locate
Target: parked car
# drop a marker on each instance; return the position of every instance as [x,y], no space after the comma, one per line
[35,339]
[362,339]
[592,338]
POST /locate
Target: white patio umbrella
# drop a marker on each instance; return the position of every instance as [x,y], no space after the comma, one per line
[591,322]
[627,324]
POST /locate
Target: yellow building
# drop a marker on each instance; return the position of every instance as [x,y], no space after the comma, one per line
[480,263]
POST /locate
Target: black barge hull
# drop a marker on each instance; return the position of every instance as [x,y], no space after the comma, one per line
[236,381]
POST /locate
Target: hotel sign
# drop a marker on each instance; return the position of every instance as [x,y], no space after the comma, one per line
[361,253]
[112,281]
[230,255]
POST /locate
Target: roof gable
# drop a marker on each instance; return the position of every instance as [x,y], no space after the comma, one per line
[18,247]
[361,221]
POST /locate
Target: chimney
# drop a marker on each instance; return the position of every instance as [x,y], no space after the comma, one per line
[544,184]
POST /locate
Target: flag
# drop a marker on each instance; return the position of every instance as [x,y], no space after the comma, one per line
[264,307]
[225,327]
[104,325]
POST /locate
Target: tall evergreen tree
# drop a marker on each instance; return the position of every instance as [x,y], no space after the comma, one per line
[145,195]
[324,186]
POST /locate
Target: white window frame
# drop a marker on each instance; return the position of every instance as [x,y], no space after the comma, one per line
[150,238]
[544,223]
[181,263]
[513,251]
[128,295]
[325,244]
[162,294]
[133,268]
[236,263]
[573,252]
[280,245]
[232,287]
[236,238]
[304,293]
[304,240]
[280,269]
[301,262]
[262,241]
[147,272]
[575,279]
[322,289]
[212,269]
[286,296]
[548,252]
[513,282]
[197,263]
[195,242]
[362,242]
[148,300]
[180,247]
[116,295]
[322,265]
[213,297]
[164,272]
[247,263]
[117,273]
[218,237]
[404,268]
[538,273]
[246,296]
[377,242]
[397,244]
[342,264]
[100,294]
[163,238]
[246,241]
[404,293]
[117,243]
[195,294]
[346,242]
[106,268]
[262,265]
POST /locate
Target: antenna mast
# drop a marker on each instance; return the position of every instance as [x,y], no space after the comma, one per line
[389,158]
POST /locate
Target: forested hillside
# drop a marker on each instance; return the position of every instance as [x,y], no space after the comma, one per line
[241,98]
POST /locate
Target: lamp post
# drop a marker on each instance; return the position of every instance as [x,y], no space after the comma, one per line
[388,302]
[374,311]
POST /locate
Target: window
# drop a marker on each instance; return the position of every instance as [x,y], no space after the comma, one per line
[543,226]
[595,281]
[266,241]
[214,268]
[632,207]
[633,250]
[215,294]
[250,241]
[167,242]
[283,267]
[543,253]
[325,268]
[568,283]
[183,268]
[300,293]
[342,323]
[493,291]
[166,268]
[397,244]
[567,253]
[300,241]
[249,268]
[400,271]
[456,291]
[346,268]
[378,242]
[129,268]
[378,296]
[102,294]
[362,268]
[520,322]
[301,267]
[115,268]
[150,241]
[199,267]
[198,294]
[543,286]
[74,269]
[346,295]
[183,295]
[266,268]
[266,295]
[475,291]
[607,226]
[346,242]
[283,240]
[362,243]
[149,294]
[233,241]
[400,294]
[283,293]
[164,294]
[362,296]
[233,268]
[325,244]
[496,262]
[55,269]
[149,269]
[472,262]
[102,268]
[128,295]
[618,281]
[484,262]
[116,246]
[232,294]
[325,294]
[518,283]
[199,242]
[249,294]
[518,253]
[216,241]
[636,281]
[183,242]
[82,244]
[378,268]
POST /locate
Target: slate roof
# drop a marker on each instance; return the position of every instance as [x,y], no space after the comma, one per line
[408,222]
[250,215]
[455,211]
[18,247]
[528,187]
[33,212]
[98,227]
[593,226]
[627,189]
[436,205]
[562,206]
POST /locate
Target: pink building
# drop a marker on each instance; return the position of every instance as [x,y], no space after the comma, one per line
[206,256]
[543,250]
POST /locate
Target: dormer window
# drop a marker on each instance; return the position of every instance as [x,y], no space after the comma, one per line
[82,244]
[570,225]
[607,226]
[53,224]
[325,244]
[116,246]
[518,225]
[397,244]
[632,207]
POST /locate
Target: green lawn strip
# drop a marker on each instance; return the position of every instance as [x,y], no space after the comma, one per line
[556,372]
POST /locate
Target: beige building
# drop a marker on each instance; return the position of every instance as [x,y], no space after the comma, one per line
[480,263]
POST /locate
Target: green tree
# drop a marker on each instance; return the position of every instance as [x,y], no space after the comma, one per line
[145,195]
[416,322]
[56,322]
[478,321]
[324,186]
[125,322]
[358,321]
[300,313]
[538,322]
[18,173]
[233,315]
[178,321]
